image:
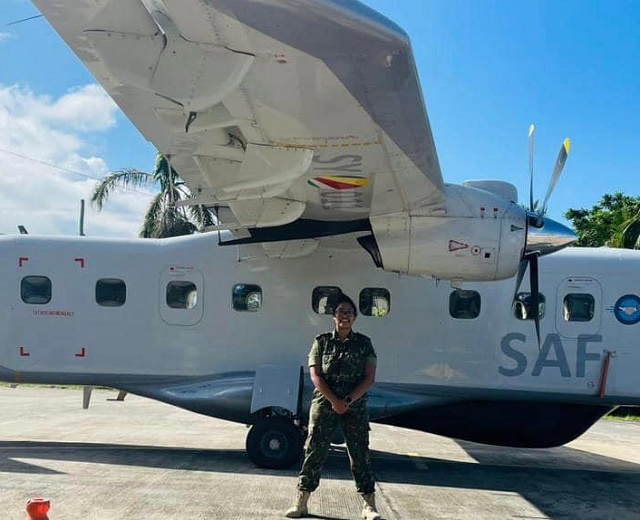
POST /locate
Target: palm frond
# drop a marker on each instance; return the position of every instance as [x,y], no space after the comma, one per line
[162,176]
[202,216]
[631,233]
[174,224]
[153,216]
[120,179]
[162,219]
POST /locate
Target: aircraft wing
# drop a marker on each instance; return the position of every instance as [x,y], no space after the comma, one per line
[281,111]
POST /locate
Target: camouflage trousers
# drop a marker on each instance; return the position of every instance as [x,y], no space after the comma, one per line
[322,423]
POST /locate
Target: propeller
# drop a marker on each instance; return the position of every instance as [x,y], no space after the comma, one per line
[539,244]
[532,130]
[557,170]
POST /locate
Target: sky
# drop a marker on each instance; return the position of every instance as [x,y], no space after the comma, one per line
[488,69]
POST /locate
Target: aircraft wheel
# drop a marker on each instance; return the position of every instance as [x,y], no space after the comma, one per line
[274,443]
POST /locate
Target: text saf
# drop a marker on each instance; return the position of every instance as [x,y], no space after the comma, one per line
[551,355]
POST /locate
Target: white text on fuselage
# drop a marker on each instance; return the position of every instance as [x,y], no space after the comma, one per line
[551,356]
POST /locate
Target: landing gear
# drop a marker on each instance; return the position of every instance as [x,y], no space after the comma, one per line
[274,443]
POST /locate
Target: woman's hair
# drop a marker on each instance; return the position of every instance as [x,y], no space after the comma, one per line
[343,298]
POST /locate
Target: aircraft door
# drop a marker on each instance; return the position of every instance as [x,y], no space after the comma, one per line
[578,307]
[181,296]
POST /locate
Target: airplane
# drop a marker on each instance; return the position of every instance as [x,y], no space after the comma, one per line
[302,125]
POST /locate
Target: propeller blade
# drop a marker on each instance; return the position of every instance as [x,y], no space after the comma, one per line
[557,170]
[534,286]
[522,267]
[532,130]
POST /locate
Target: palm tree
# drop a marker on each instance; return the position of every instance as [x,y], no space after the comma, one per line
[626,224]
[630,234]
[163,219]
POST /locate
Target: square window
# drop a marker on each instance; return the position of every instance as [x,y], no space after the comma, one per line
[246,297]
[523,307]
[578,307]
[464,305]
[374,301]
[182,294]
[111,292]
[35,290]
[323,298]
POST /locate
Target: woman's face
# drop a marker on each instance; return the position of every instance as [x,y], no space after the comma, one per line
[344,317]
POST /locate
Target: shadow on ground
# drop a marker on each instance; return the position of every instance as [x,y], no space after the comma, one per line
[559,482]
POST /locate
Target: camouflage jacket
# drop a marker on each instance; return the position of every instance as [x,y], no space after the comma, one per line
[343,363]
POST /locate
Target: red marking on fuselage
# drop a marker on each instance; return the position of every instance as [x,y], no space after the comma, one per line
[454,245]
[80,261]
[337,185]
[23,352]
[21,260]
[82,353]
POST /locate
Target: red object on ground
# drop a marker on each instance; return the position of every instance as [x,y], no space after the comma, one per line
[37,509]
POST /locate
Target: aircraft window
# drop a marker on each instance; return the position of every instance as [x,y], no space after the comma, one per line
[182,294]
[578,307]
[322,299]
[374,301]
[246,297]
[35,290]
[523,309]
[111,292]
[464,305]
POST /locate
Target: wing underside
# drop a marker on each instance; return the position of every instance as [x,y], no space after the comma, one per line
[275,112]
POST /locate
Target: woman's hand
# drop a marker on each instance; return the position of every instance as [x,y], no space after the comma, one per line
[339,406]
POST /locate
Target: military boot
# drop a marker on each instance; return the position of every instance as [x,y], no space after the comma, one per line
[299,507]
[369,511]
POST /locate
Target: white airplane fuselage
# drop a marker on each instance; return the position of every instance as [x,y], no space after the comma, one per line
[430,364]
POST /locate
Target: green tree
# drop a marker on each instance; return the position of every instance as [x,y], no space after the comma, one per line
[162,218]
[614,222]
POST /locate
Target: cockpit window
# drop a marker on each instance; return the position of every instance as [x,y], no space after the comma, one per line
[523,308]
[464,305]
[35,290]
[578,307]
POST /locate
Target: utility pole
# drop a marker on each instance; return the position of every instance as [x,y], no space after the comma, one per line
[81,228]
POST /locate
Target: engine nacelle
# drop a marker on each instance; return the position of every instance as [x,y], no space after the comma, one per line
[479,236]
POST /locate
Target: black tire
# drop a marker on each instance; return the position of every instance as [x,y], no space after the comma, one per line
[274,443]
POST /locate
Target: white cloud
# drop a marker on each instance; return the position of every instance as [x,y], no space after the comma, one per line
[38,133]
[87,109]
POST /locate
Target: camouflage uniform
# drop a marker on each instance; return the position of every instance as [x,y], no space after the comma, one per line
[343,368]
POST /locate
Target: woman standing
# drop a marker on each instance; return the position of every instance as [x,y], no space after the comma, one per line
[342,364]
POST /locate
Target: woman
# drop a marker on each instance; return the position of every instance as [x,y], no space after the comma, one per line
[342,364]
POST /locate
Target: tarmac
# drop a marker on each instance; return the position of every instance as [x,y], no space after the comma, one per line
[140,459]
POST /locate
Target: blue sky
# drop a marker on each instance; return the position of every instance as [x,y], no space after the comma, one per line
[487,69]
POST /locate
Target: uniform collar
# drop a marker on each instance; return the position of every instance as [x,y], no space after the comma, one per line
[350,336]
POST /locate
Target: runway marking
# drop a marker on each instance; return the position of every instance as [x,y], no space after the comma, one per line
[418,462]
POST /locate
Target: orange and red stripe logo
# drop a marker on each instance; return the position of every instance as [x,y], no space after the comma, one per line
[339,182]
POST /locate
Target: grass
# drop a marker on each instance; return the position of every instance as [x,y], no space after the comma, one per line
[625,413]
